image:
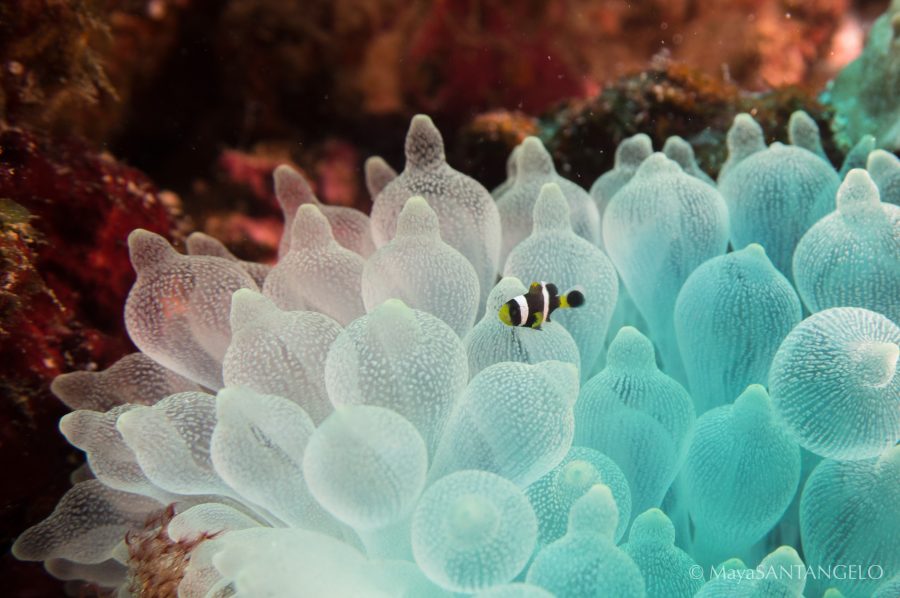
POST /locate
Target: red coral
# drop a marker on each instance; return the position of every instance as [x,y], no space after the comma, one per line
[475,55]
[65,214]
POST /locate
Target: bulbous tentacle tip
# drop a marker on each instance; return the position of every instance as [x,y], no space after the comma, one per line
[248,306]
[832,593]
[230,397]
[148,250]
[24,548]
[631,152]
[424,144]
[755,251]
[631,349]
[392,307]
[858,154]
[578,475]
[865,145]
[882,163]
[199,243]
[508,288]
[679,150]
[70,387]
[551,210]
[394,325]
[876,362]
[378,174]
[783,555]
[472,517]
[292,189]
[857,192]
[80,427]
[129,423]
[745,137]
[652,526]
[753,405]
[732,564]
[657,164]
[70,428]
[533,159]
[595,512]
[311,228]
[804,132]
[785,558]
[418,218]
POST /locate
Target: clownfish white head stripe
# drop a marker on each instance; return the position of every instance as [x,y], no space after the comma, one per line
[535,307]
[522,304]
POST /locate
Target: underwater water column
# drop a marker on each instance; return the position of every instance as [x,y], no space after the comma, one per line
[335,446]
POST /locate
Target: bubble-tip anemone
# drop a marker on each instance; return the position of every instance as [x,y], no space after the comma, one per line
[357,421]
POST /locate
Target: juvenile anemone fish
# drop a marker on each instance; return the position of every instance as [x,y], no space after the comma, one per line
[534,307]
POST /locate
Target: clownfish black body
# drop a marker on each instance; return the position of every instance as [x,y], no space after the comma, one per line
[534,307]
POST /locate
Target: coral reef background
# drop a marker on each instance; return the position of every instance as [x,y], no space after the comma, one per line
[105,104]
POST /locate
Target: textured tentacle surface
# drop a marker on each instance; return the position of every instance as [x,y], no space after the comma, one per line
[534,169]
[423,271]
[658,229]
[638,416]
[468,216]
[834,384]
[730,317]
[851,257]
[554,253]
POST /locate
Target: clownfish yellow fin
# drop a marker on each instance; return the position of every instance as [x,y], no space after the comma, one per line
[573,298]
[538,320]
[504,315]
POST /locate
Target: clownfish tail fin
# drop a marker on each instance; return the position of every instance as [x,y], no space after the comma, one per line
[573,298]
